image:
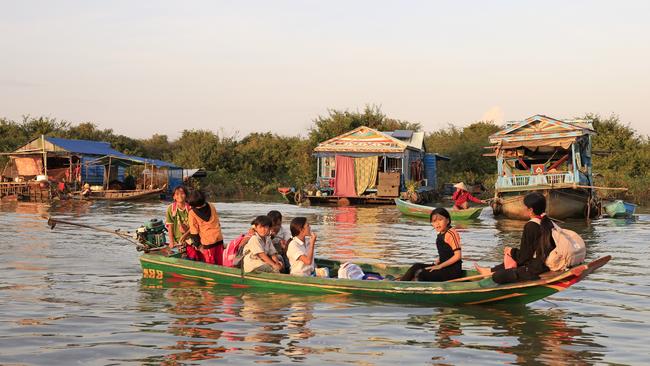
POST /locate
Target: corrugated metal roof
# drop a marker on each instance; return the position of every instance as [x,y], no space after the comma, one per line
[84,146]
[101,148]
[415,140]
[402,134]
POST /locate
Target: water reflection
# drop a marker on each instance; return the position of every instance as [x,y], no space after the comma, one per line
[528,335]
[210,322]
[63,302]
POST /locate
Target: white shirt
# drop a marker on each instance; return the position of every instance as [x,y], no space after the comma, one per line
[255,246]
[284,234]
[296,249]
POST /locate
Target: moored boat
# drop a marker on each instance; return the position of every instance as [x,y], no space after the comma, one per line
[123,195]
[485,291]
[619,209]
[546,155]
[288,193]
[421,211]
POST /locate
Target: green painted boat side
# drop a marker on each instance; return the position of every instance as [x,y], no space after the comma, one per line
[485,291]
[411,209]
[619,209]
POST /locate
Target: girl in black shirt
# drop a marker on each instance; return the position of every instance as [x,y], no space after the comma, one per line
[536,244]
[449,264]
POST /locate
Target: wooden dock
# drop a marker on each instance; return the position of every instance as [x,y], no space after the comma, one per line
[347,201]
[25,191]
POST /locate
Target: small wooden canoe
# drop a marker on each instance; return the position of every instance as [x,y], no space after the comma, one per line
[620,209]
[122,195]
[172,268]
[288,194]
[411,209]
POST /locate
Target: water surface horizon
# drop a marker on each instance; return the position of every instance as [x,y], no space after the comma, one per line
[77,296]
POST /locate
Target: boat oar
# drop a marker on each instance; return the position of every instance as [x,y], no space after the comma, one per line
[471,278]
[52,222]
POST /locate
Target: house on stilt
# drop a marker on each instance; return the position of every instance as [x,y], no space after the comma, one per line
[369,166]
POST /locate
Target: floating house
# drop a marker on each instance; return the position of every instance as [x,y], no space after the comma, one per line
[44,160]
[368,166]
[547,155]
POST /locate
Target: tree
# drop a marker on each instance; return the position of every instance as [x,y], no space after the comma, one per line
[339,122]
[465,148]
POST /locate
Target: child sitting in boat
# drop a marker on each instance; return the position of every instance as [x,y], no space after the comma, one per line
[205,229]
[461,197]
[259,253]
[301,248]
[177,218]
[280,236]
[449,264]
[527,262]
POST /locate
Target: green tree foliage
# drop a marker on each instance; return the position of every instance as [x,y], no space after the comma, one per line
[260,162]
[465,148]
[622,158]
[338,122]
[157,147]
[15,134]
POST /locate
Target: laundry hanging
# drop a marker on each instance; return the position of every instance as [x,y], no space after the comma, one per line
[365,173]
[344,184]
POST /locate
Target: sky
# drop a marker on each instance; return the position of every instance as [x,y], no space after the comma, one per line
[235,67]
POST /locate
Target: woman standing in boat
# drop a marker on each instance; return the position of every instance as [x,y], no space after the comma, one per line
[205,229]
[461,197]
[449,265]
[177,217]
[527,262]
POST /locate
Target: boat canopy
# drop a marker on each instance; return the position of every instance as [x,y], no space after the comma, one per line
[563,142]
[539,130]
[129,160]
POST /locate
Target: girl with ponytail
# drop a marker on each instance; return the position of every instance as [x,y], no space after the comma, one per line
[527,262]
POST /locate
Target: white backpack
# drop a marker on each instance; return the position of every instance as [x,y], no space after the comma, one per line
[350,271]
[570,249]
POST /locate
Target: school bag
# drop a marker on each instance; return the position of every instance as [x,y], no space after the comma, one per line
[350,271]
[570,249]
[234,253]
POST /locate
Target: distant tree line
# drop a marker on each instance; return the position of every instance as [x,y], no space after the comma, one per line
[260,162]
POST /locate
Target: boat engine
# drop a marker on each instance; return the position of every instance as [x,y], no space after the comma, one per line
[152,234]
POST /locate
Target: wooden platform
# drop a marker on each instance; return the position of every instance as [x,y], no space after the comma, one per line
[346,201]
[24,191]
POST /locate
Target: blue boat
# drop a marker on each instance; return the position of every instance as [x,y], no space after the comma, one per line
[620,209]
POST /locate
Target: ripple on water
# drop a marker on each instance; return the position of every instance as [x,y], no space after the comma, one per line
[76,296]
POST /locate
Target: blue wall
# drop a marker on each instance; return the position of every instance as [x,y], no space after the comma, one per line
[94,174]
[430,170]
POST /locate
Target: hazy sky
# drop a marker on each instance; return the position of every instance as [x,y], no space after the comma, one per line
[159,66]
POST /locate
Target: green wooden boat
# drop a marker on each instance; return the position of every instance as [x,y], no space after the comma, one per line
[411,209]
[620,209]
[484,291]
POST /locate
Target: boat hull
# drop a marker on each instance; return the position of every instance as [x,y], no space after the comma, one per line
[124,195]
[288,194]
[162,268]
[561,204]
[420,211]
[620,209]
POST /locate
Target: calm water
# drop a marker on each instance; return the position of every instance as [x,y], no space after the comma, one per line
[74,296]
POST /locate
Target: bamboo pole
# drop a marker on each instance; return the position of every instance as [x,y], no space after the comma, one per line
[603,188]
[108,173]
[44,155]
[471,278]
